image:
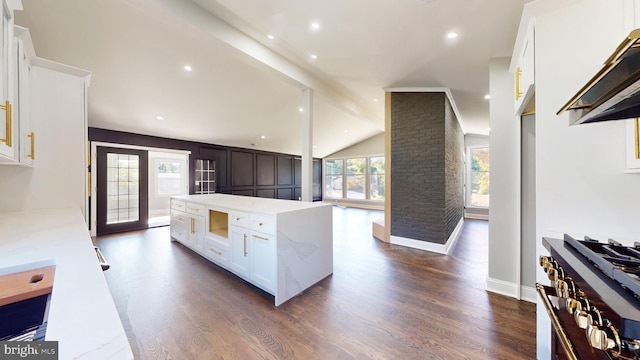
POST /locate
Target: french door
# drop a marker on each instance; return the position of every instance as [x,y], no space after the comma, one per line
[122,190]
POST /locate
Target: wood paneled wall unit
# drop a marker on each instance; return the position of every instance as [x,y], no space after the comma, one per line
[238,171]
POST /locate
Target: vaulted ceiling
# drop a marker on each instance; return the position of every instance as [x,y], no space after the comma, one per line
[245,89]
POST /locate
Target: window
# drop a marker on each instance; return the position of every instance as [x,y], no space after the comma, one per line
[169,175]
[205,176]
[363,176]
[478,186]
[333,178]
[376,171]
[123,186]
[356,178]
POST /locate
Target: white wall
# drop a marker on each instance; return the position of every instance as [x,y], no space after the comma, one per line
[57,178]
[371,146]
[504,219]
[476,140]
[581,184]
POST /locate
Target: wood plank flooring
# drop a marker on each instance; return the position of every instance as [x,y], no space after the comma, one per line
[382,302]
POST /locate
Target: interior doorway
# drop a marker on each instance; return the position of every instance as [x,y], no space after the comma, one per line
[167,177]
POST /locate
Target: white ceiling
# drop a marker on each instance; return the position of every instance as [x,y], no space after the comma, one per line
[244,86]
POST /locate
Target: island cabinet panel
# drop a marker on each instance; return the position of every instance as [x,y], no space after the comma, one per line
[280,246]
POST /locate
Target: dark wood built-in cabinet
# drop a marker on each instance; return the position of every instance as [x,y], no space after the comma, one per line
[237,171]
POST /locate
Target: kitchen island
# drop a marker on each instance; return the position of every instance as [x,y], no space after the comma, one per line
[280,246]
[82,315]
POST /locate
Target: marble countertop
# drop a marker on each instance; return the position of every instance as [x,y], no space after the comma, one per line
[82,315]
[250,204]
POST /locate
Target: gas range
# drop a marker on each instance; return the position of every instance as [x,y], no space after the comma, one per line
[593,298]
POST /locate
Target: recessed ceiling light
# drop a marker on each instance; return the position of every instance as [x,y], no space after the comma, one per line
[263,137]
[300,109]
[488,96]
[375,100]
[314,56]
[452,35]
[346,131]
[488,129]
[188,68]
[270,37]
[315,25]
[159,118]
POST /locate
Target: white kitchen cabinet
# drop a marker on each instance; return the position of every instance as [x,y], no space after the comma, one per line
[240,251]
[187,224]
[263,260]
[633,145]
[178,224]
[523,68]
[280,246]
[8,133]
[22,96]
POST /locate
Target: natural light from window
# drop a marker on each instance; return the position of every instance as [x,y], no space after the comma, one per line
[479,177]
[363,176]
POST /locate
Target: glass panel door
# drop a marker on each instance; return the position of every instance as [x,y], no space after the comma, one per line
[122,190]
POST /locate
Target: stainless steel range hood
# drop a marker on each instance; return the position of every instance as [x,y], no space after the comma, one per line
[614,92]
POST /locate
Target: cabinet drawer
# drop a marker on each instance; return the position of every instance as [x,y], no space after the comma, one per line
[196,209]
[178,205]
[217,251]
[239,219]
[179,232]
[265,224]
[178,217]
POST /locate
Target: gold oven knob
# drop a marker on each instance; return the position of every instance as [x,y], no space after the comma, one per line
[586,317]
[603,338]
[544,260]
[565,288]
[577,304]
[555,274]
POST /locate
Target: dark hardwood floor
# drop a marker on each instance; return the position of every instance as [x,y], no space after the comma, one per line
[382,302]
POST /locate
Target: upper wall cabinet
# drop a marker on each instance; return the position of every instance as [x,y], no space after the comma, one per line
[22,93]
[8,131]
[523,68]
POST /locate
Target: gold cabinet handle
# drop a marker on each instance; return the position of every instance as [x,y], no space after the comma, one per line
[33,145]
[245,244]
[237,219]
[217,252]
[192,225]
[260,237]
[7,109]
[518,92]
[259,224]
[637,133]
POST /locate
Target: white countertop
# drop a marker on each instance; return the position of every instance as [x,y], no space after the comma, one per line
[82,315]
[250,204]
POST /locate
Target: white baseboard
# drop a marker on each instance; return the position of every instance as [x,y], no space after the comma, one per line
[502,287]
[476,216]
[445,248]
[528,293]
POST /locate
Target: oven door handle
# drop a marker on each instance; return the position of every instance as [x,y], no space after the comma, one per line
[555,322]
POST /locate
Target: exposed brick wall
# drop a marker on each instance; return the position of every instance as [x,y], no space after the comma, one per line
[426,167]
[454,171]
[417,166]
